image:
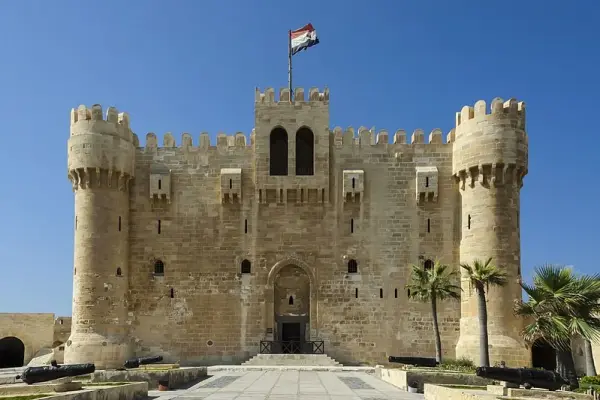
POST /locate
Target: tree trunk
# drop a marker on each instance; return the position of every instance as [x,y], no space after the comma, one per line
[436,330]
[565,366]
[484,352]
[590,367]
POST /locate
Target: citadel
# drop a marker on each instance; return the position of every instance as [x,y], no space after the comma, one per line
[199,252]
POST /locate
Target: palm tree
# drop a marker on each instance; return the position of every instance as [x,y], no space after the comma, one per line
[481,276]
[562,305]
[431,285]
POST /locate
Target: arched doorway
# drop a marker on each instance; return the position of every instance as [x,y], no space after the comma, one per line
[543,355]
[292,308]
[12,352]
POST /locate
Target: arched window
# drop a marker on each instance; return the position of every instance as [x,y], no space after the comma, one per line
[291,301]
[159,267]
[246,267]
[427,265]
[119,271]
[305,152]
[278,152]
[352,266]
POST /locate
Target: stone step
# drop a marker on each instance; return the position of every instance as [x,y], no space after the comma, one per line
[292,360]
[245,368]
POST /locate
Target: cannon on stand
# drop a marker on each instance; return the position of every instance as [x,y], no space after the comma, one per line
[62,374]
[528,377]
[136,362]
[416,361]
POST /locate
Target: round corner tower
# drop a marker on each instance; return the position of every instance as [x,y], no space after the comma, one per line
[100,166]
[490,157]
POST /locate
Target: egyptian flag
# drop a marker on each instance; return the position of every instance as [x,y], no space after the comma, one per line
[303,38]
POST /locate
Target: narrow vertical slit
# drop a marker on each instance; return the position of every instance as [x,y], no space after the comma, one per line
[396,293]
[353,183]
[426,181]
[356,293]
[351,225]
[469,222]
[245,226]
[381,293]
[119,223]
[172,293]
[159,184]
[323,195]
[159,226]
[230,184]
[428,225]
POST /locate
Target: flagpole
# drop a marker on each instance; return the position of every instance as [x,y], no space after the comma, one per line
[290,64]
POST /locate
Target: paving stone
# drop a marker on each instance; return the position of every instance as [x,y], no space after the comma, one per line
[354,382]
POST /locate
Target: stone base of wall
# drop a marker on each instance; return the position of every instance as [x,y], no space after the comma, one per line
[176,377]
[126,391]
[402,378]
[494,392]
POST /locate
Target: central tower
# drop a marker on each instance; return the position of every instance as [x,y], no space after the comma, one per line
[291,146]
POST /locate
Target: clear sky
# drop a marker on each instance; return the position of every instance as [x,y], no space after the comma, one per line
[192,66]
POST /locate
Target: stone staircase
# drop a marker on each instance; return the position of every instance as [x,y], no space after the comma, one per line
[317,360]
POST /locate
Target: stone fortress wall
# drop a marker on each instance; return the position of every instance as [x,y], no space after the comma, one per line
[159,270]
[32,333]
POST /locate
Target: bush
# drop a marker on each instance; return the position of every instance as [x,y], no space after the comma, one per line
[591,380]
[462,364]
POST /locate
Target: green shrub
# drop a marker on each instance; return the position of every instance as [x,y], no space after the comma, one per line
[591,380]
[462,364]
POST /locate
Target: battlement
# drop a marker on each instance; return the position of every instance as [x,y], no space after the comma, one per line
[224,142]
[499,109]
[369,137]
[84,119]
[314,96]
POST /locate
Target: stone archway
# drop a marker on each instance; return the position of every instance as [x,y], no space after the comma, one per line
[12,352]
[290,302]
[543,355]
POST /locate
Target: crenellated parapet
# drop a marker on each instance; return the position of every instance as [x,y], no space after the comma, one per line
[490,145]
[222,142]
[364,137]
[101,149]
[299,96]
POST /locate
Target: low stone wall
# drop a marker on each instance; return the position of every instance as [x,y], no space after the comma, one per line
[437,392]
[402,378]
[127,391]
[176,377]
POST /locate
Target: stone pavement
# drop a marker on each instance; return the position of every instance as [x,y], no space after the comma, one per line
[288,385]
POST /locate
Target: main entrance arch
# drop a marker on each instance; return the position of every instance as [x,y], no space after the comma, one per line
[543,355]
[12,352]
[290,300]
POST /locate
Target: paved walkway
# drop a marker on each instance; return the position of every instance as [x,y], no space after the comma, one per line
[288,385]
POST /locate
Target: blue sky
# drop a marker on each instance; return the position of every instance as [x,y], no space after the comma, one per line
[191,66]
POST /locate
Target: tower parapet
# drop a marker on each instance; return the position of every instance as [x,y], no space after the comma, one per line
[100,166]
[490,156]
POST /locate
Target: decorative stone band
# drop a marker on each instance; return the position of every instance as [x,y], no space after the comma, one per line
[491,175]
[314,96]
[93,178]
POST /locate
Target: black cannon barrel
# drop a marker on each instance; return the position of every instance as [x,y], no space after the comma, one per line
[136,362]
[418,361]
[523,376]
[49,373]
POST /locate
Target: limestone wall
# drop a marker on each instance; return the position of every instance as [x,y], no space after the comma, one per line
[35,330]
[203,309]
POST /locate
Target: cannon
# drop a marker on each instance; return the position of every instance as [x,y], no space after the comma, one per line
[416,361]
[49,373]
[136,362]
[528,377]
